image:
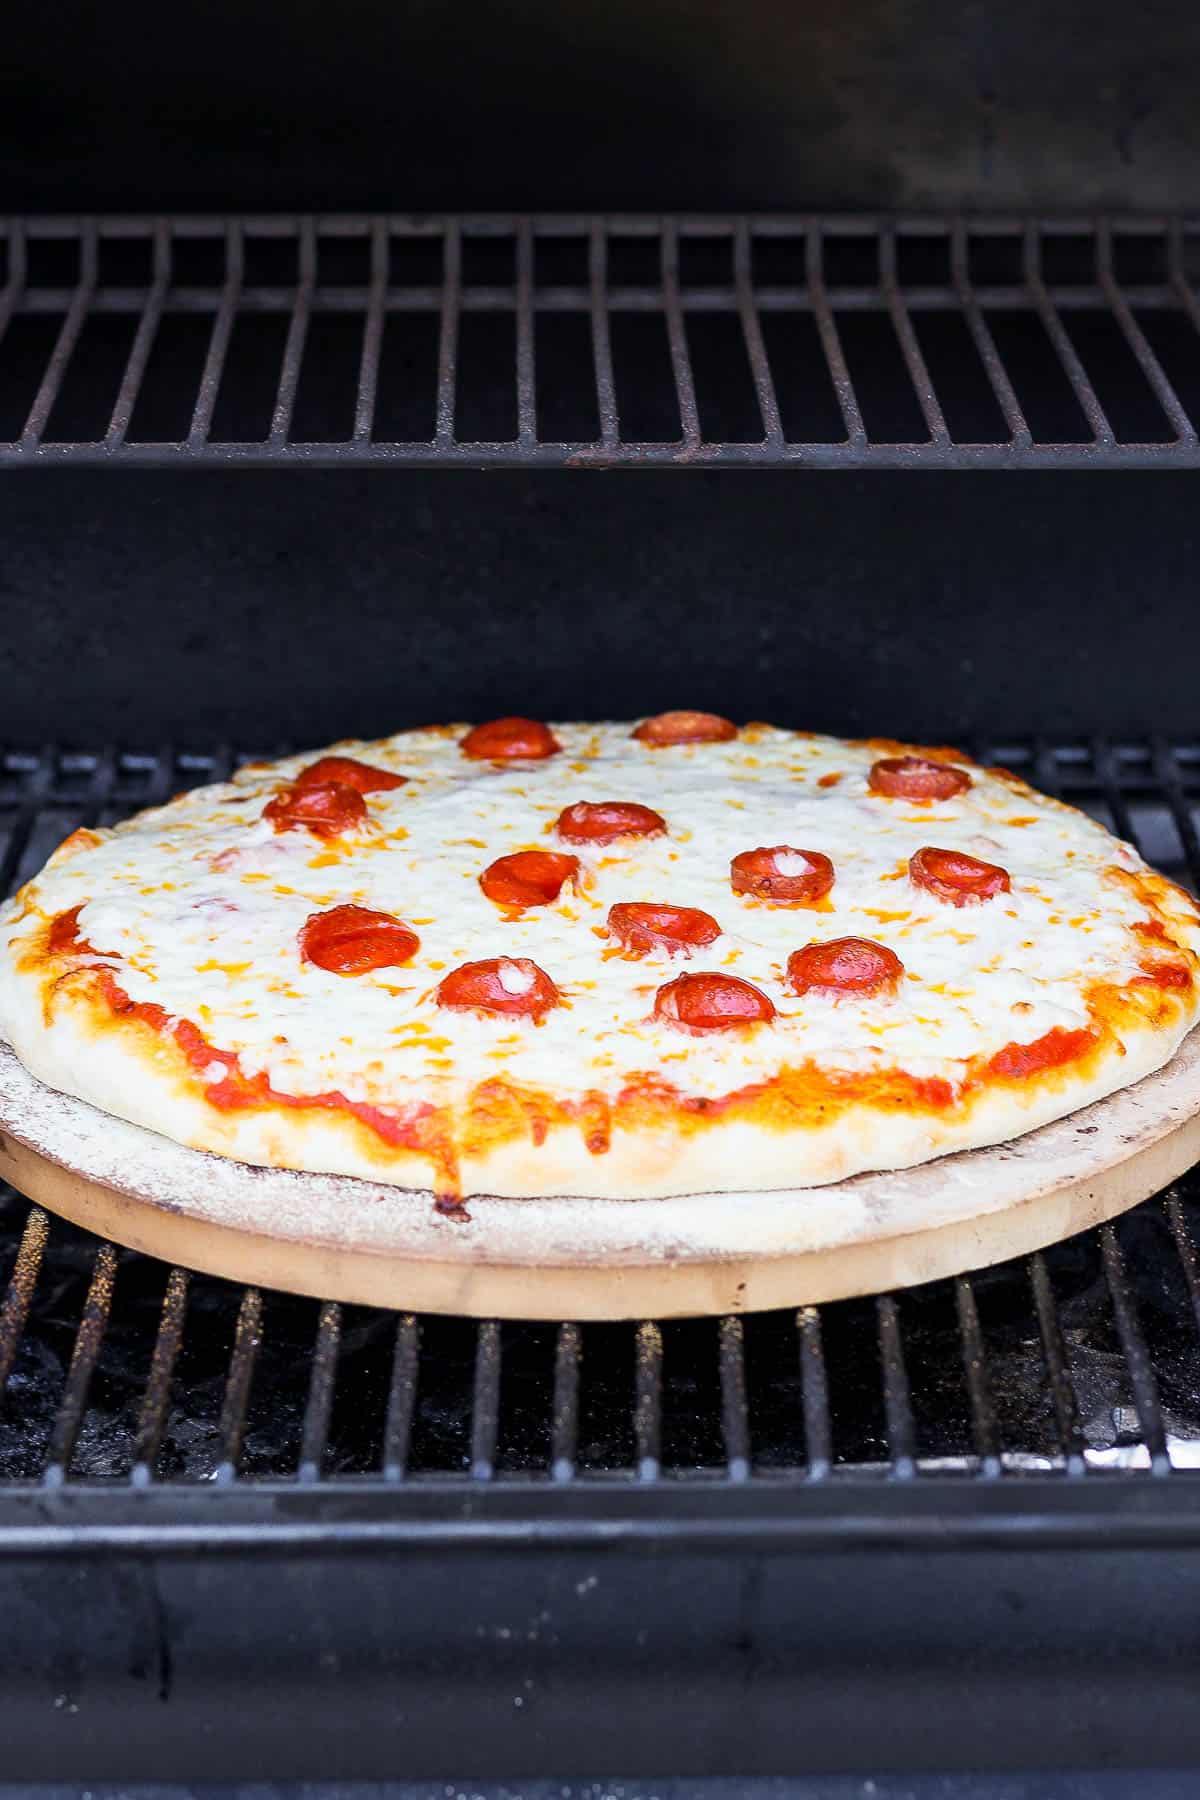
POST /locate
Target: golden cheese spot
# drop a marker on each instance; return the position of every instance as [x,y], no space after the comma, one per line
[1021,819]
[223,968]
[881,913]
[81,839]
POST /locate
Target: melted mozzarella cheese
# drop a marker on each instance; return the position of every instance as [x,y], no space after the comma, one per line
[202,903]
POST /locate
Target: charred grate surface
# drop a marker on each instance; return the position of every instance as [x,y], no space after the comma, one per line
[1083,1358]
[826,341]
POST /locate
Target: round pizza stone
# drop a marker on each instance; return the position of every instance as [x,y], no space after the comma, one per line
[342,1238]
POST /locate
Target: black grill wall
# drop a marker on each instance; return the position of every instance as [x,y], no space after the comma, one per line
[704,104]
[287,605]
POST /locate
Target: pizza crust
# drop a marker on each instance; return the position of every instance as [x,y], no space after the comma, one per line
[341,1238]
[116,1073]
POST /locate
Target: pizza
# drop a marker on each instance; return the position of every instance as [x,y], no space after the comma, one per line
[525,959]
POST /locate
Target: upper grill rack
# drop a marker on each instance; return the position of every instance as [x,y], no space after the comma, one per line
[1085,1357]
[734,341]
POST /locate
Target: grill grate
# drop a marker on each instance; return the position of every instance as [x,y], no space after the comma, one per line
[1081,1358]
[713,341]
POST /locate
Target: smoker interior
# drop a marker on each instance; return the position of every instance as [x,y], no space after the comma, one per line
[950,1527]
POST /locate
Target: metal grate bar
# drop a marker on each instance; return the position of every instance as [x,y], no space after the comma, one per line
[1062,1388]
[447,377]
[293,350]
[88,1340]
[14,1310]
[831,343]
[68,337]
[132,227]
[485,1402]
[1166,770]
[218,348]
[1063,347]
[897,1399]
[18,263]
[152,1416]
[143,341]
[910,349]
[735,1421]
[985,343]
[526,371]
[606,393]
[246,1339]
[402,1398]
[34,794]
[321,1384]
[1134,336]
[1177,274]
[647,1418]
[564,1428]
[983,1412]
[814,1389]
[100,787]
[681,365]
[756,349]
[1137,1357]
[575,297]
[372,346]
[1105,764]
[1186,1246]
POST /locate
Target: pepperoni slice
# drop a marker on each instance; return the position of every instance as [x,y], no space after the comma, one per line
[711,1003]
[509,740]
[327,810]
[916,778]
[604,821]
[782,874]
[956,877]
[849,965]
[349,940]
[640,926]
[363,777]
[528,877]
[685,728]
[503,984]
